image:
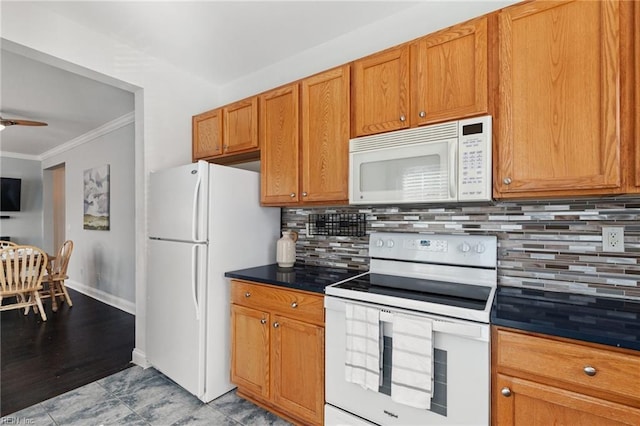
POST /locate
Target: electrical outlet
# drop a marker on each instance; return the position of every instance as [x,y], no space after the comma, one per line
[613,238]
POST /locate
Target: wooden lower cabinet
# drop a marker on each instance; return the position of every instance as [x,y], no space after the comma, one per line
[297,364]
[539,380]
[250,349]
[277,356]
[526,402]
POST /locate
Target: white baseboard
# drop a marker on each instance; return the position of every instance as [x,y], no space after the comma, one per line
[109,299]
[140,358]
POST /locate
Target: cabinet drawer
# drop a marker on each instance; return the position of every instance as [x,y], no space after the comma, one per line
[297,304]
[613,372]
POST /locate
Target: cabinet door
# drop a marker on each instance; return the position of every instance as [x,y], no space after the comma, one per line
[381,92]
[250,349]
[297,368]
[636,66]
[325,136]
[523,402]
[206,134]
[279,136]
[449,73]
[559,102]
[241,126]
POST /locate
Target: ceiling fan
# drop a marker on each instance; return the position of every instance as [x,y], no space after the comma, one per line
[5,122]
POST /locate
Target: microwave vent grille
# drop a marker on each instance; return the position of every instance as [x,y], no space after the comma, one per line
[405,137]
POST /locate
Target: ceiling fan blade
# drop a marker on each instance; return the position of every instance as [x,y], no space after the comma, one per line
[14,122]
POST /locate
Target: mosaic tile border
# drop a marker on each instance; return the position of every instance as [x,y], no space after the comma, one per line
[551,245]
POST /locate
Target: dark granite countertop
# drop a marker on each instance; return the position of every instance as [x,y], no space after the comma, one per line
[614,322]
[300,277]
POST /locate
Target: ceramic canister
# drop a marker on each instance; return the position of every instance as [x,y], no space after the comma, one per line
[286,249]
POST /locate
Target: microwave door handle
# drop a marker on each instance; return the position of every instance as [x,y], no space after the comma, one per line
[453,170]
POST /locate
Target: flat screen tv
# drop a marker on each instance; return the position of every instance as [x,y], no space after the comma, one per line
[10,189]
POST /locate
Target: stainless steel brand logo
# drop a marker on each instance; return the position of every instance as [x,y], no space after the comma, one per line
[388,413]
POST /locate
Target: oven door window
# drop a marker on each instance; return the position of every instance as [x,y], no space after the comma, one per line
[413,173]
[439,398]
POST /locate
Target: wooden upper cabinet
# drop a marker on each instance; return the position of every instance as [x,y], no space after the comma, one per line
[449,72]
[635,24]
[241,126]
[279,136]
[381,92]
[325,136]
[207,134]
[227,134]
[559,100]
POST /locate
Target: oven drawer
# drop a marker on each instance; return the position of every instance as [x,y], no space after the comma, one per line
[589,367]
[299,304]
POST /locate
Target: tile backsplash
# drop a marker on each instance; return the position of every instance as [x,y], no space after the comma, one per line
[550,245]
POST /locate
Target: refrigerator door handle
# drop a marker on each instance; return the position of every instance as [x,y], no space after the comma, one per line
[194,281]
[194,210]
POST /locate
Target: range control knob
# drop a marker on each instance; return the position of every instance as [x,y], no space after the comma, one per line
[465,247]
[390,243]
[480,248]
[379,243]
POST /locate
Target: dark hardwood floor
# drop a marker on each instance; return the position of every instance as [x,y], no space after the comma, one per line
[75,346]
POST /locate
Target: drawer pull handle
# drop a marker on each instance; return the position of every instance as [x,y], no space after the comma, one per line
[589,371]
[506,392]
[294,305]
[263,321]
[276,324]
[247,294]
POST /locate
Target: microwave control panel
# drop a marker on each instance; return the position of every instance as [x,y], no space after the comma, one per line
[474,159]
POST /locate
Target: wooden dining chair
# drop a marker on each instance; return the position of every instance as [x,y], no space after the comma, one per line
[4,243]
[56,275]
[21,271]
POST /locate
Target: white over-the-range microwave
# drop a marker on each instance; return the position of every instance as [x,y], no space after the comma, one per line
[447,162]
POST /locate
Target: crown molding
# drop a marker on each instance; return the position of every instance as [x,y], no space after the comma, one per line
[7,154]
[89,136]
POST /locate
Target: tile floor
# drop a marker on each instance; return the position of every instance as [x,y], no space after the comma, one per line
[136,397]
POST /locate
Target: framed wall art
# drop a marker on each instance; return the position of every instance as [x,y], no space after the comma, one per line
[96,198]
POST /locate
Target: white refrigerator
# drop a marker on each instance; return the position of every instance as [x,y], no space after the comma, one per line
[204,220]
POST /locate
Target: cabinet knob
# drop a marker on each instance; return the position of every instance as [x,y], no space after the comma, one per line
[247,294]
[403,118]
[294,305]
[263,321]
[589,371]
[506,181]
[304,194]
[292,195]
[276,324]
[506,392]
[422,114]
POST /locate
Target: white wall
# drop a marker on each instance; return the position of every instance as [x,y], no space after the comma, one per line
[25,226]
[408,24]
[169,97]
[103,262]
[165,100]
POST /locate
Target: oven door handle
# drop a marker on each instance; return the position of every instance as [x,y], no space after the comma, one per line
[466,330]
